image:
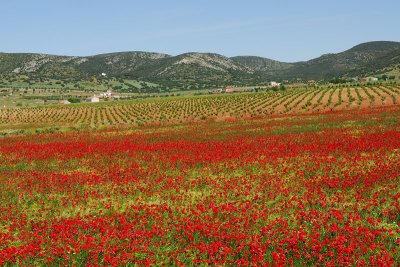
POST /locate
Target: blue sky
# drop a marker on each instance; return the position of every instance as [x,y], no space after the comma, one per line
[285,30]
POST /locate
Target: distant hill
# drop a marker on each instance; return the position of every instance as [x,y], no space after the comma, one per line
[359,60]
[203,68]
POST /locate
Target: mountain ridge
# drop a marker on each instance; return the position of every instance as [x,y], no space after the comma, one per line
[206,68]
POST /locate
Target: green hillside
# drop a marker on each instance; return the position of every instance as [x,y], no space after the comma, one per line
[190,70]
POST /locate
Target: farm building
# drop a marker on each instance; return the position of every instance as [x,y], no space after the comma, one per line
[273,84]
[215,91]
[64,102]
[369,79]
[229,89]
[93,99]
[107,94]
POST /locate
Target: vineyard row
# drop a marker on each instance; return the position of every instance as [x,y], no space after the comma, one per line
[176,110]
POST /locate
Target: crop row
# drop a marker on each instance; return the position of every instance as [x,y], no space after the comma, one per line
[216,107]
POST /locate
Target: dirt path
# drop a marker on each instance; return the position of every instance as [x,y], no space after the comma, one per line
[340,99]
[365,101]
[296,104]
[378,101]
[317,101]
[354,102]
[386,96]
[328,100]
[284,107]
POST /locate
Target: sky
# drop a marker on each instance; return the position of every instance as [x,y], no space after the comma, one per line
[284,30]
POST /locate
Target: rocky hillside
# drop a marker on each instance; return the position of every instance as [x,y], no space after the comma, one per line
[203,68]
[261,64]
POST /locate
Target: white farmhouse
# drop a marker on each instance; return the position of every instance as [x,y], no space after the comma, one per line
[274,84]
[107,94]
[93,99]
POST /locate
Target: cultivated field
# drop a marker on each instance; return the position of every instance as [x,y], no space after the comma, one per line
[229,186]
[174,110]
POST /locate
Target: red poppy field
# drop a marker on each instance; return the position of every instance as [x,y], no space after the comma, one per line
[286,190]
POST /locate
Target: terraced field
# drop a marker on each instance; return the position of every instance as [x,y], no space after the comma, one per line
[211,107]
